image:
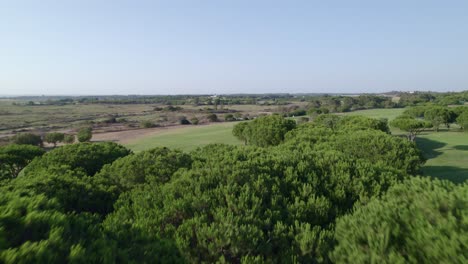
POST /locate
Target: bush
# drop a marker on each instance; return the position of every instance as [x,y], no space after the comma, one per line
[229,117]
[69,139]
[152,166]
[146,124]
[264,131]
[27,139]
[86,157]
[54,138]
[85,134]
[212,118]
[195,121]
[419,221]
[274,205]
[13,158]
[183,121]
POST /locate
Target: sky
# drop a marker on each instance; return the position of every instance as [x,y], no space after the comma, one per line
[97,47]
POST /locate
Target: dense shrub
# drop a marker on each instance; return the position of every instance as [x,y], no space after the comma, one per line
[419,221]
[13,158]
[212,118]
[86,157]
[69,139]
[237,203]
[27,139]
[54,137]
[85,134]
[151,166]
[264,131]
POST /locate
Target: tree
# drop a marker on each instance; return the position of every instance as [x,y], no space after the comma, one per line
[69,139]
[235,204]
[349,123]
[85,157]
[240,131]
[229,117]
[152,166]
[264,131]
[462,120]
[13,158]
[146,124]
[194,120]
[419,221]
[437,115]
[85,134]
[183,121]
[212,118]
[378,147]
[327,120]
[411,125]
[27,139]
[54,138]
[35,230]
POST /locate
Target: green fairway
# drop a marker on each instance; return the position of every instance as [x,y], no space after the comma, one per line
[390,113]
[447,154]
[188,138]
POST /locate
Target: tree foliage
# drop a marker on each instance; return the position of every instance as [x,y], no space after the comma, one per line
[462,120]
[264,131]
[27,139]
[437,115]
[269,204]
[86,157]
[411,125]
[85,134]
[54,137]
[68,139]
[13,158]
[152,166]
[419,221]
[319,193]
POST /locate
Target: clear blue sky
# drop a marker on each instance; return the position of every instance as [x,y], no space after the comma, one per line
[174,47]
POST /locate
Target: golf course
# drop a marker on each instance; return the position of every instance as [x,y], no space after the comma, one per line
[446,151]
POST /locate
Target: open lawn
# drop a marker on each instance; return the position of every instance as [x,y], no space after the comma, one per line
[447,154]
[389,113]
[188,138]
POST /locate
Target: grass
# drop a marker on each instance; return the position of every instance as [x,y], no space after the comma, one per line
[188,138]
[447,154]
[390,113]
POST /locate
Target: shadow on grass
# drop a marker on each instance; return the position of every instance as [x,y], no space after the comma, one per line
[461,147]
[429,147]
[453,174]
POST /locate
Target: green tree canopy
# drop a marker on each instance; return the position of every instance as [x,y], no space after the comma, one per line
[462,120]
[27,139]
[85,134]
[13,158]
[419,221]
[411,125]
[264,131]
[237,203]
[54,138]
[86,157]
[151,166]
[437,115]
